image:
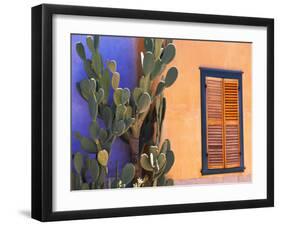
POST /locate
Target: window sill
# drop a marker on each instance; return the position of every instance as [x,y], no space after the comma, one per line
[222,171]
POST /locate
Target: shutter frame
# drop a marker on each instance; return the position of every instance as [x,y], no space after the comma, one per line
[225,74]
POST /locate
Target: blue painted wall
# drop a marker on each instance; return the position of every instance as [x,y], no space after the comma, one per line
[124,51]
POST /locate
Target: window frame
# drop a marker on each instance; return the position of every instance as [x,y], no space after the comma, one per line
[228,74]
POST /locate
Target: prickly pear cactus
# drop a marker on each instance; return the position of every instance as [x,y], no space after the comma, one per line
[126,177]
[116,117]
[157,164]
[88,173]
[125,117]
[157,55]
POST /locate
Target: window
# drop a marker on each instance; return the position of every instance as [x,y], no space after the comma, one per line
[222,121]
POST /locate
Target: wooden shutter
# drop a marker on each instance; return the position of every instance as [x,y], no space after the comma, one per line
[222,123]
[231,123]
[214,112]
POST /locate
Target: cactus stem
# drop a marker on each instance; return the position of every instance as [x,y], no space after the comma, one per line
[155,183]
[147,83]
[134,147]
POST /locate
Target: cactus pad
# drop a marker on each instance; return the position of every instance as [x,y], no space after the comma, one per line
[78,162]
[128,173]
[103,157]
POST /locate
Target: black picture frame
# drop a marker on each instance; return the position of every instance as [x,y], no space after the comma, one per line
[42,107]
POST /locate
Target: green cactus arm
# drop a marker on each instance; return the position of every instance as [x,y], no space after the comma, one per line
[105,84]
[115,80]
[88,145]
[128,173]
[90,43]
[149,44]
[170,161]
[168,53]
[100,95]
[145,162]
[148,63]
[81,51]
[157,48]
[166,146]
[171,76]
[93,167]
[75,181]
[112,65]
[93,107]
[96,41]
[78,162]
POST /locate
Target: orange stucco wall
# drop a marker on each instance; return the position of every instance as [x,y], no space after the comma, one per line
[183,115]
